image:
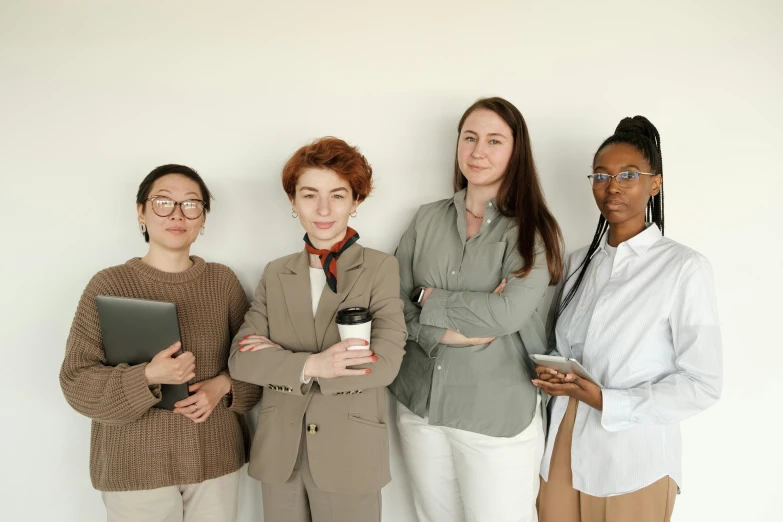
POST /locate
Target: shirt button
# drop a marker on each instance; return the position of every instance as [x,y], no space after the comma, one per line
[439,367]
[489,221]
[453,272]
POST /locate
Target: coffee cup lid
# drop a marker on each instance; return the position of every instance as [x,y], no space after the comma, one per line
[355,315]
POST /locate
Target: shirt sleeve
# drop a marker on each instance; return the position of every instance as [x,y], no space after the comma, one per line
[426,336]
[483,314]
[109,394]
[697,351]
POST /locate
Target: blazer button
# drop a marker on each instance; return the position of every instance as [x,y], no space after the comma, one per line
[312,429]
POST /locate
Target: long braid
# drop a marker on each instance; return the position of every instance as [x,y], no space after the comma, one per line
[642,134]
[600,230]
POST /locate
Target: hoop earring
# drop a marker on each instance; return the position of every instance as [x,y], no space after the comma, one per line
[201,232]
[142,228]
[354,214]
[294,214]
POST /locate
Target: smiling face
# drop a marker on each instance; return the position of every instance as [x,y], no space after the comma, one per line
[624,205]
[324,202]
[484,149]
[174,232]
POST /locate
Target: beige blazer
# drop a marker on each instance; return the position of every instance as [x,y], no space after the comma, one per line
[345,418]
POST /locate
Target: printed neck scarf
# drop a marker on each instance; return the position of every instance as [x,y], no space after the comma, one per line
[329,257]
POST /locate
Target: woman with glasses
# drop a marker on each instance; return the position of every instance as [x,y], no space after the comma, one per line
[475,272]
[152,463]
[638,311]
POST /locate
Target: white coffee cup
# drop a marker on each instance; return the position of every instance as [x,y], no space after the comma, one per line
[355,323]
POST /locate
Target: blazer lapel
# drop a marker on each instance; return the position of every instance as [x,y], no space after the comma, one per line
[348,271]
[298,300]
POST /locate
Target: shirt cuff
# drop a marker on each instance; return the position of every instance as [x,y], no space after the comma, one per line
[617,409]
[433,313]
[302,377]
[428,337]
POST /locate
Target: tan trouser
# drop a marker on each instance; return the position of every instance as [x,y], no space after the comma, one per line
[213,500]
[559,502]
[300,500]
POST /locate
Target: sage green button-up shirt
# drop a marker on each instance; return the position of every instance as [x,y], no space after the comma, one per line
[483,388]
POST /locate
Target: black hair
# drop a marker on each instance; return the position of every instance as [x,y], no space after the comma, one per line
[164,170]
[641,134]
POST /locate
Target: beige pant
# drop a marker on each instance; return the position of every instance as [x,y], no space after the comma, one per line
[213,500]
[559,502]
[300,500]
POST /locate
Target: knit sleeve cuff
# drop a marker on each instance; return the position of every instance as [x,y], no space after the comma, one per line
[139,395]
[242,397]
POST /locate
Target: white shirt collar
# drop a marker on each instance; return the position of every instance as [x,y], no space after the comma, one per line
[640,243]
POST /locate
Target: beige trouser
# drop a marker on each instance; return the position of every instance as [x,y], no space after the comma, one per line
[300,500]
[559,502]
[213,500]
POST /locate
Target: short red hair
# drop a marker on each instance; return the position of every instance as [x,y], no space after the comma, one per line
[333,154]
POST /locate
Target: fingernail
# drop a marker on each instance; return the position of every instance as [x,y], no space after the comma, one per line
[375,358]
[368,371]
[366,343]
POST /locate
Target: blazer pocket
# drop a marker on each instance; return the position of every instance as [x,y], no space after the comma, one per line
[370,421]
[266,409]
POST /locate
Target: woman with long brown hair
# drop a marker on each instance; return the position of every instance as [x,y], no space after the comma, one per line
[475,271]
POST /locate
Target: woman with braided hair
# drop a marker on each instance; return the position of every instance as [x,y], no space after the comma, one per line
[638,311]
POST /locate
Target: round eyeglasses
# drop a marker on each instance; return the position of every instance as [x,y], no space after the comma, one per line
[625,179]
[164,207]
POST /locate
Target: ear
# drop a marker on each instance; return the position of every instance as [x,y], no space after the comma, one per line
[355,205]
[140,211]
[655,187]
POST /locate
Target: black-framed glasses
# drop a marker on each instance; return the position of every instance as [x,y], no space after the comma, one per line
[164,206]
[625,179]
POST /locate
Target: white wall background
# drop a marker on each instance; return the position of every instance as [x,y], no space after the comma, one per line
[93,95]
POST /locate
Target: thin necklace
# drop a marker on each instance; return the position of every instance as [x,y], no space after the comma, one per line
[474,215]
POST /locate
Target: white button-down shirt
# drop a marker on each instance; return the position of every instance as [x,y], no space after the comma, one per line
[644,323]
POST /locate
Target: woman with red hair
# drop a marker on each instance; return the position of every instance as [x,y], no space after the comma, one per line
[321,449]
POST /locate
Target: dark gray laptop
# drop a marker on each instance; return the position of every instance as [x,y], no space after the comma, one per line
[136,330]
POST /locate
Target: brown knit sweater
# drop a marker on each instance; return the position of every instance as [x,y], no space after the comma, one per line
[133,445]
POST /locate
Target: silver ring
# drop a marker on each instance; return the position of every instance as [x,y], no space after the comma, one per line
[195,406]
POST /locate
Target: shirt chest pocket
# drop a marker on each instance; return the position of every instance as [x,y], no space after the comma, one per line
[483,267]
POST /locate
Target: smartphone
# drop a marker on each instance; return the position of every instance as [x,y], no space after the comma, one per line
[564,365]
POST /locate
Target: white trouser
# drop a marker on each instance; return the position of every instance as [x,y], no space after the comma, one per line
[461,476]
[213,500]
